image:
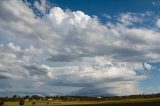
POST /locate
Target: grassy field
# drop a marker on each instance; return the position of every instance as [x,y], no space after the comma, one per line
[125,102]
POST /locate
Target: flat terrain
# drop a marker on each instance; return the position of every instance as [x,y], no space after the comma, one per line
[125,102]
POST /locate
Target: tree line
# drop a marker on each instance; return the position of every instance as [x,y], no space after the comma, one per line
[76,98]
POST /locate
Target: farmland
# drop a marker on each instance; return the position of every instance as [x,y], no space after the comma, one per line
[125,102]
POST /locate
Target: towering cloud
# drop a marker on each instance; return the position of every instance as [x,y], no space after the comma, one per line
[69,52]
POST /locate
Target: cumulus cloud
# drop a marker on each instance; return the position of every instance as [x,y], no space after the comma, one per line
[72,52]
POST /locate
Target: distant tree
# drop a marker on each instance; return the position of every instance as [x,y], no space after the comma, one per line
[21,102]
[15,97]
[36,97]
[1,103]
[27,97]
[6,98]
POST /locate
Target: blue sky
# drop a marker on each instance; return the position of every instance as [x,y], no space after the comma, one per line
[110,7]
[79,47]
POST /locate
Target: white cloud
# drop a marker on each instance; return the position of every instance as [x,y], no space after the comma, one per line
[73,50]
[13,47]
[129,19]
[147,66]
[41,6]
[77,19]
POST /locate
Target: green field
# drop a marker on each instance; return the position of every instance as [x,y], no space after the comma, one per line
[125,102]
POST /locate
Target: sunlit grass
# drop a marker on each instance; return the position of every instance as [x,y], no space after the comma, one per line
[123,102]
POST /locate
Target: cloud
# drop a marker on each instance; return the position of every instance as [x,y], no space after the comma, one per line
[34,70]
[4,76]
[147,66]
[72,51]
[129,18]
[153,3]
[158,23]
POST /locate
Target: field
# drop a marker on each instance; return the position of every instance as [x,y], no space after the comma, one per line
[126,102]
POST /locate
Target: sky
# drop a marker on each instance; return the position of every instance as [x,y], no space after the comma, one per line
[79,47]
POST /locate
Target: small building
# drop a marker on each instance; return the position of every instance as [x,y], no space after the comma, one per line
[26,100]
[99,97]
[50,99]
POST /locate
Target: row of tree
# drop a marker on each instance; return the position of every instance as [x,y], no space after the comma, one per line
[76,98]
